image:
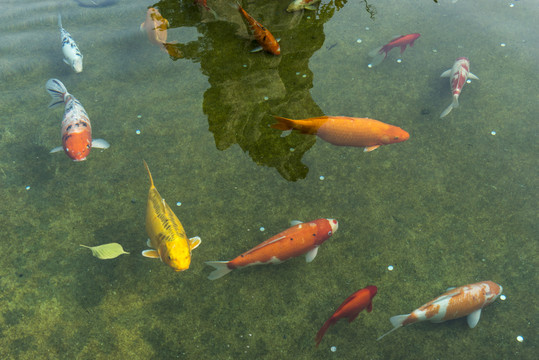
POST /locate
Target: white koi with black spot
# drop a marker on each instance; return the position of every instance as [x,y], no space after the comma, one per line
[72,54]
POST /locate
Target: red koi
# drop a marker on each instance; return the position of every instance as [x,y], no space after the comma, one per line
[262,35]
[350,309]
[302,238]
[399,41]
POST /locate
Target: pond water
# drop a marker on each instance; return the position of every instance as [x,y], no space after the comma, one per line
[455,204]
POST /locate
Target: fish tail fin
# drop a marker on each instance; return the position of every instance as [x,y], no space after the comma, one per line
[397,322]
[149,173]
[448,109]
[283,123]
[59,20]
[57,91]
[375,52]
[221,269]
[320,334]
[378,55]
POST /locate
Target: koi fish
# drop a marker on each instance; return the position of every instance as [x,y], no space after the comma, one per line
[298,5]
[350,309]
[166,232]
[156,27]
[399,41]
[301,238]
[458,74]
[262,35]
[346,131]
[72,54]
[203,3]
[76,128]
[467,300]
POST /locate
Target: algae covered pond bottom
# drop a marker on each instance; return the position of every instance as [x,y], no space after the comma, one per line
[454,204]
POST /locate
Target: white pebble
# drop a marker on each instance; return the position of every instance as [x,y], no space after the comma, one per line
[399,60]
[262,228]
[369,66]
[322,177]
[502,44]
[493,132]
[292,149]
[333,349]
[511,5]
[359,41]
[468,81]
[308,17]
[244,65]
[138,132]
[27,188]
[367,28]
[304,75]
[139,116]
[520,338]
[502,297]
[297,73]
[434,50]
[178,204]
[390,267]
[266,98]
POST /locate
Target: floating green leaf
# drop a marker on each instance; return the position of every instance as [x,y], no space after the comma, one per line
[106,251]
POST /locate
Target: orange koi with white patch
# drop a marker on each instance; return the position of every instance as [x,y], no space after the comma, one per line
[302,238]
[467,300]
[262,35]
[76,128]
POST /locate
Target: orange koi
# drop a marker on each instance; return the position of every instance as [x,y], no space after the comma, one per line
[350,309]
[262,35]
[302,238]
[156,27]
[467,300]
[346,131]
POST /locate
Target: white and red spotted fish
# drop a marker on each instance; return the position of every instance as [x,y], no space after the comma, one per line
[72,54]
[458,74]
[467,300]
[76,129]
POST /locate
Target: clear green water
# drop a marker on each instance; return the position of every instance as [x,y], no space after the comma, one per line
[451,206]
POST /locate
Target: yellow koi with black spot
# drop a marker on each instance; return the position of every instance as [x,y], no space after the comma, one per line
[167,235]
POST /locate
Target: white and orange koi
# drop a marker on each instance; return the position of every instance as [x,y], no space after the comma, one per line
[72,54]
[262,35]
[76,128]
[301,238]
[156,27]
[467,300]
[298,5]
[458,74]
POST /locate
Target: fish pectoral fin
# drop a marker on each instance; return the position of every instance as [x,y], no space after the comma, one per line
[100,144]
[310,7]
[473,318]
[194,242]
[56,149]
[311,254]
[446,73]
[152,254]
[371,148]
[149,243]
[67,62]
[257,49]
[472,76]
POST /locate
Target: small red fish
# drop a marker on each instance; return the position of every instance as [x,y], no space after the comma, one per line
[399,41]
[202,3]
[262,35]
[458,75]
[346,131]
[76,128]
[302,238]
[350,309]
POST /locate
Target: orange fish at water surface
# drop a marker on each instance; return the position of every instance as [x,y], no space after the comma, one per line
[301,238]
[467,300]
[346,131]
[156,27]
[262,35]
[350,309]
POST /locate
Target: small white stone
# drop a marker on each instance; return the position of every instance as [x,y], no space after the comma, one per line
[262,228]
[304,75]
[244,65]
[390,267]
[493,133]
[266,98]
[298,73]
[139,116]
[369,66]
[178,203]
[399,60]
[333,348]
[322,177]
[434,50]
[137,132]
[502,297]
[520,338]
[502,44]
[468,81]
[308,17]
[27,188]
[367,28]
[292,149]
[511,5]
[359,41]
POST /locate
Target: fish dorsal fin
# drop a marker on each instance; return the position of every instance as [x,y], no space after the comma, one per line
[473,318]
[295,222]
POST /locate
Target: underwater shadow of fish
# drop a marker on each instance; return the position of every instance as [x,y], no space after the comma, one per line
[96,3]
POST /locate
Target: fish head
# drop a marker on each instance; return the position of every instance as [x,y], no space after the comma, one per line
[77,146]
[334,225]
[492,290]
[372,290]
[393,135]
[175,255]
[76,64]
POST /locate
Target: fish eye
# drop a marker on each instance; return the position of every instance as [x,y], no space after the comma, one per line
[88,146]
[329,233]
[396,138]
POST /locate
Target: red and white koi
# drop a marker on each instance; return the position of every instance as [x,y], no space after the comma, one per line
[458,74]
[72,54]
[302,238]
[298,5]
[467,300]
[76,128]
